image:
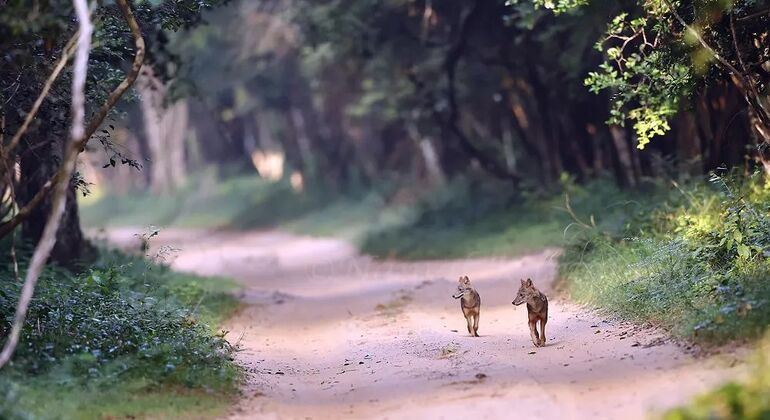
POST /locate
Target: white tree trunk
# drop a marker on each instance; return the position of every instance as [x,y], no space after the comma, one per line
[165,130]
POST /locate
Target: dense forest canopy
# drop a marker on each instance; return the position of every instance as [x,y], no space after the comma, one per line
[356,91]
[353,93]
[37,42]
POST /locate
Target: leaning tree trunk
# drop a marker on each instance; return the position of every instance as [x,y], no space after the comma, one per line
[39,163]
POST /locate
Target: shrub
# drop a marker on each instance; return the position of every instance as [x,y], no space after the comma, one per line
[696,264]
[735,400]
[122,321]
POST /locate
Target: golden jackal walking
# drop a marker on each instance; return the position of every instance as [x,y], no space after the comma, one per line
[470,303]
[537,310]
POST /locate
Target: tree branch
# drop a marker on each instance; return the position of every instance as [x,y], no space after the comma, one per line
[754,15]
[66,54]
[48,239]
[747,77]
[97,120]
[739,78]
[136,65]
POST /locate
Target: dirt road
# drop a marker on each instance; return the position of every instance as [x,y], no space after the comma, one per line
[327,333]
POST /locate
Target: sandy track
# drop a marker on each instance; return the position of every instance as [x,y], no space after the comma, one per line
[328,333]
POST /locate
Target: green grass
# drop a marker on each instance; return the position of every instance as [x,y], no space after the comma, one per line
[49,398]
[468,217]
[693,262]
[246,202]
[499,234]
[125,338]
[477,219]
[748,399]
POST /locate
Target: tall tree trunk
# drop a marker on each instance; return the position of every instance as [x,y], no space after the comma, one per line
[688,144]
[165,129]
[39,162]
[761,134]
[623,151]
[427,151]
[597,146]
[151,93]
[299,126]
[174,127]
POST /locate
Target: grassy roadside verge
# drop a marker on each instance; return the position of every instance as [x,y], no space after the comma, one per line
[748,399]
[693,262]
[124,339]
[466,217]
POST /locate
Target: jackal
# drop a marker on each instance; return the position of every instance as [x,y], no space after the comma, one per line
[537,310]
[470,303]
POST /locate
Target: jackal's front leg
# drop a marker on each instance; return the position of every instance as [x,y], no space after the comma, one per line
[476,325]
[533,333]
[469,320]
[542,332]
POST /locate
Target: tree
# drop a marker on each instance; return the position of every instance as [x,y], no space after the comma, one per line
[34,98]
[660,53]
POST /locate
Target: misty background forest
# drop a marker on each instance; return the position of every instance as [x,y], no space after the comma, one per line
[164,162]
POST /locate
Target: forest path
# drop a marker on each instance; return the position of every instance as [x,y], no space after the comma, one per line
[328,333]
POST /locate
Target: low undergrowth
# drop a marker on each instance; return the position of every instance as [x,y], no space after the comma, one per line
[747,399]
[477,218]
[694,261]
[124,338]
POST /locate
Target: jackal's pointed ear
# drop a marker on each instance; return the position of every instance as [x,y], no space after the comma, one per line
[522,282]
[528,283]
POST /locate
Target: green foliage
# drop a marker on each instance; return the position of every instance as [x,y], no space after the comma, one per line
[653,63]
[647,80]
[206,202]
[123,324]
[748,399]
[474,218]
[695,263]
[32,40]
[558,6]
[467,217]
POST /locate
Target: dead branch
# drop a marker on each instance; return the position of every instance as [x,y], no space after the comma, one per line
[48,239]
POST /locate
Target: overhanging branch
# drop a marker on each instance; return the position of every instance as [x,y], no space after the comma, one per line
[96,122]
